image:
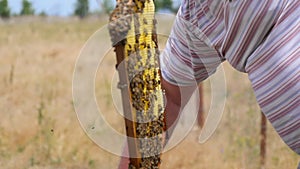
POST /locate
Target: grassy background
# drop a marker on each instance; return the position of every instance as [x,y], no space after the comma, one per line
[39,128]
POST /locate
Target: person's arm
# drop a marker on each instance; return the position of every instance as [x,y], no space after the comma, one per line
[176,99]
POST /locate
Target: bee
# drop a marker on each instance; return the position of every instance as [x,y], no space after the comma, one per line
[145,32]
[131,166]
[145,21]
[154,21]
[143,1]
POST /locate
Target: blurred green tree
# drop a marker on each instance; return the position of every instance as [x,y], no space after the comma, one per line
[107,6]
[165,5]
[43,14]
[81,8]
[4,9]
[27,8]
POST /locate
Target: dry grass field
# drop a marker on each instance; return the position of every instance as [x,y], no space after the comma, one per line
[39,128]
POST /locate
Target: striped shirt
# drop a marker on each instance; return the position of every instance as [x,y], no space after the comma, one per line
[261,38]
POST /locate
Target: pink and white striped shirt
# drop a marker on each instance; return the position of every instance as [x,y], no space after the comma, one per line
[261,38]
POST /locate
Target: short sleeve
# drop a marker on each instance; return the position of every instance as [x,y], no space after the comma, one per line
[188,57]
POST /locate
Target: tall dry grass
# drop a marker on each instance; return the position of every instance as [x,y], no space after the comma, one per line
[39,128]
